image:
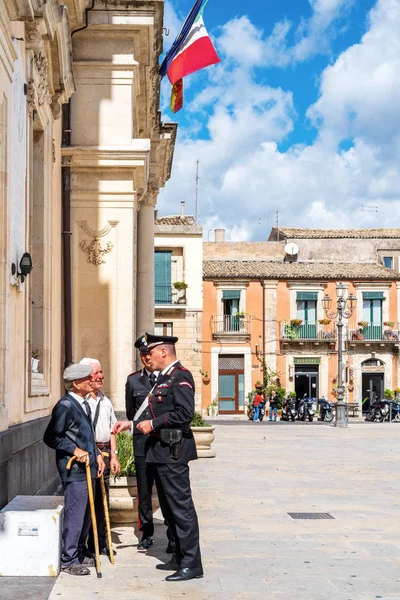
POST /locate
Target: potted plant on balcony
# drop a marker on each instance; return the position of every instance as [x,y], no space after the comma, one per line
[35,361]
[296,322]
[181,286]
[205,376]
[123,488]
[388,323]
[204,436]
[362,324]
[324,321]
[390,334]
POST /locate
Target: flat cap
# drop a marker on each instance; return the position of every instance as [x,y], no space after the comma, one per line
[149,341]
[74,372]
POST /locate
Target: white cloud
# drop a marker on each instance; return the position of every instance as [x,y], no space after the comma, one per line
[244,176]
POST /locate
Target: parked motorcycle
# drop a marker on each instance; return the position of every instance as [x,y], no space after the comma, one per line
[325,410]
[288,410]
[306,409]
[381,411]
[396,411]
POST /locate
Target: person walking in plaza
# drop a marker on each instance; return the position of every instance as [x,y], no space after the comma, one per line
[138,386]
[103,416]
[70,433]
[170,447]
[258,399]
[273,405]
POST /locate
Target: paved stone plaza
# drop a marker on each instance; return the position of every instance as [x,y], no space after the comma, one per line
[251,548]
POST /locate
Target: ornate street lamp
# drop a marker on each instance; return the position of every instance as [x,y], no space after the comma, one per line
[345,308]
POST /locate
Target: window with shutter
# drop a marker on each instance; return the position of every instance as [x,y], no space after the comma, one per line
[162,277]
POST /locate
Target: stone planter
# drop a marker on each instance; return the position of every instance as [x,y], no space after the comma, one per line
[204,437]
[124,500]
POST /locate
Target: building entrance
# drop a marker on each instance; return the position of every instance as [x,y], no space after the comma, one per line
[372,388]
[306,381]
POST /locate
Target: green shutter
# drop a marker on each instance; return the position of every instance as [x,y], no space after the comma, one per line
[373,296]
[307,296]
[231,295]
[162,277]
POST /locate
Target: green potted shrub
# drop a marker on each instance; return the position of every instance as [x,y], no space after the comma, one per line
[205,376]
[204,436]
[181,287]
[123,488]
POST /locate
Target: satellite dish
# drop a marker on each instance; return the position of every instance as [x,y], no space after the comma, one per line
[292,249]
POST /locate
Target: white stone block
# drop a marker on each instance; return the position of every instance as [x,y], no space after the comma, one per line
[30,536]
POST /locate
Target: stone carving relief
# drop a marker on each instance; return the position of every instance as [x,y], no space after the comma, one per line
[94,249]
[38,90]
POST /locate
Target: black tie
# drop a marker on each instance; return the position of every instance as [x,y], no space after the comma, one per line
[88,411]
[152,379]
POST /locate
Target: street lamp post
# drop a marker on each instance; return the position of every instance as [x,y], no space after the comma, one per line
[345,308]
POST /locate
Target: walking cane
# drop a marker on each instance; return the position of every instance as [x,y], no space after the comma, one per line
[107,515]
[92,513]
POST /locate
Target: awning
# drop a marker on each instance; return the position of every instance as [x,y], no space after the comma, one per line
[307,296]
[231,295]
[373,296]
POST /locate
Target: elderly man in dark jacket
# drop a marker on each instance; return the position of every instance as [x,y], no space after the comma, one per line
[70,433]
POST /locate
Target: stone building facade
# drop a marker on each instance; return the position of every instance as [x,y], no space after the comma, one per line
[271,308]
[80,135]
[179,308]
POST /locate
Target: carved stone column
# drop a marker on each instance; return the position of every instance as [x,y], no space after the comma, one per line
[145,262]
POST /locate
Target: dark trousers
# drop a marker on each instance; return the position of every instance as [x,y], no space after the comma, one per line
[76,522]
[145,482]
[174,493]
[99,509]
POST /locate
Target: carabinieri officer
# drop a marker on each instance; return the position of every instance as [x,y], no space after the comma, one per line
[169,448]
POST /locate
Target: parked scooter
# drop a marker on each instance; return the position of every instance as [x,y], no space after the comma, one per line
[325,410]
[381,411]
[261,411]
[306,409]
[288,409]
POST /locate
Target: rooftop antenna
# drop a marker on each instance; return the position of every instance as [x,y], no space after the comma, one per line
[269,216]
[371,209]
[197,189]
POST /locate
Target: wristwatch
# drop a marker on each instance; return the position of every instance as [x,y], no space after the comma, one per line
[115,452]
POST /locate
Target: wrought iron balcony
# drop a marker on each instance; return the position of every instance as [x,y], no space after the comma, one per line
[296,330]
[226,325]
[166,295]
[365,331]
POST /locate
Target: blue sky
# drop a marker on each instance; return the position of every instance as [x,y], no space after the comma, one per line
[301,116]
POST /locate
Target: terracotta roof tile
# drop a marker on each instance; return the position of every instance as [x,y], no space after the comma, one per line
[251,269]
[298,233]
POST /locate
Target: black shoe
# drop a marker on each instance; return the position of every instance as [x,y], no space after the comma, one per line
[105,552]
[145,543]
[88,562]
[171,565]
[185,574]
[169,549]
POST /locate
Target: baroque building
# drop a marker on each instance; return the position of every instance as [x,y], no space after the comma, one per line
[83,153]
[263,302]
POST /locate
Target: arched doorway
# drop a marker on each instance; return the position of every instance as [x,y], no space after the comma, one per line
[373,381]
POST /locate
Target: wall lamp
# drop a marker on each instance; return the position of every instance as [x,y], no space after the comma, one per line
[25,265]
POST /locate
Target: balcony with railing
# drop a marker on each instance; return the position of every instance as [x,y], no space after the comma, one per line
[368,332]
[229,326]
[167,295]
[297,331]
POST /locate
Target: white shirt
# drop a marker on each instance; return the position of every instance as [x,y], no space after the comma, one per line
[156,373]
[78,398]
[106,420]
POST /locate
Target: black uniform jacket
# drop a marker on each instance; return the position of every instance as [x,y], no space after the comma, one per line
[172,406]
[70,428]
[136,389]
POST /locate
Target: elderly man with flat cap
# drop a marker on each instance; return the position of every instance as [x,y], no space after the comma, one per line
[137,388]
[169,448]
[70,433]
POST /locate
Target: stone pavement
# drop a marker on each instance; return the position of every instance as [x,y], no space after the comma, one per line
[251,548]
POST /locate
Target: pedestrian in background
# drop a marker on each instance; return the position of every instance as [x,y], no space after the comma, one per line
[258,399]
[273,405]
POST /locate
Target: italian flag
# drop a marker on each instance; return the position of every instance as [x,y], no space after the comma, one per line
[196,52]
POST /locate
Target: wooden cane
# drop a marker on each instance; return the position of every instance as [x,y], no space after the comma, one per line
[92,513]
[107,515]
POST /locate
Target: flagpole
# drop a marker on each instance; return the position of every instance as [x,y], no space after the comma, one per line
[197,190]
